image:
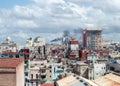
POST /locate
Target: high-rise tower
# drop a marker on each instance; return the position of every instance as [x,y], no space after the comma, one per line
[92,38]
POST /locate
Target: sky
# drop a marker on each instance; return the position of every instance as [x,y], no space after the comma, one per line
[21,19]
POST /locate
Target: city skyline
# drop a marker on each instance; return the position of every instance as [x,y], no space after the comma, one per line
[49,18]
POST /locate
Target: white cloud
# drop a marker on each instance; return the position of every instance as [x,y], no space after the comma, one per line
[26,24]
[57,15]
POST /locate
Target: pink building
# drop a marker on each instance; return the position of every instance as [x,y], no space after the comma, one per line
[12,72]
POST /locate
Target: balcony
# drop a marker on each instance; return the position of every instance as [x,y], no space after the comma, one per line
[43,73]
[35,79]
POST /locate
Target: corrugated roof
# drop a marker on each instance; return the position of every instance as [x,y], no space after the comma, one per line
[10,62]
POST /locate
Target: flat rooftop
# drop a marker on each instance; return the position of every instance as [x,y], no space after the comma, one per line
[10,62]
[72,80]
[108,80]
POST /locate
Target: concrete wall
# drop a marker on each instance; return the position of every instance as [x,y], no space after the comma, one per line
[20,79]
[99,70]
[7,79]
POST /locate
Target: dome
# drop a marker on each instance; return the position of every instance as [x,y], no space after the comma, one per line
[8,39]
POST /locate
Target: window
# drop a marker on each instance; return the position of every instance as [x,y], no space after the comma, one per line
[11,56]
[36,83]
[43,71]
[31,83]
[26,74]
[36,76]
[17,56]
[58,66]
[50,67]
[31,76]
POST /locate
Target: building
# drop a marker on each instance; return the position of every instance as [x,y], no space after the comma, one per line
[37,47]
[83,54]
[111,79]
[23,53]
[92,38]
[97,69]
[8,45]
[81,69]
[73,49]
[39,41]
[12,72]
[74,80]
[29,43]
[92,57]
[57,70]
[47,85]
[35,79]
[40,72]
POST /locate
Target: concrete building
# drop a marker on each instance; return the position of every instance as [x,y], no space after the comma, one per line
[97,69]
[29,43]
[8,45]
[111,79]
[74,80]
[114,67]
[45,72]
[92,38]
[37,47]
[12,72]
[40,72]
[57,70]
[73,49]
[35,79]
[23,53]
[92,57]
[81,69]
[39,41]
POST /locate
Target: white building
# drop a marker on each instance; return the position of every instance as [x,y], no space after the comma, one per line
[97,69]
[29,42]
[92,57]
[8,45]
[39,41]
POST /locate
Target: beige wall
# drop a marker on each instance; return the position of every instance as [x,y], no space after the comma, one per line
[7,79]
[20,79]
[34,72]
[48,74]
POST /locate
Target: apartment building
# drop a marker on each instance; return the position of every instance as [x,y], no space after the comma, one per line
[12,72]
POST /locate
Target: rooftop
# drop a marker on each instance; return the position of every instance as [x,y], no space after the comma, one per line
[72,80]
[47,85]
[108,80]
[10,62]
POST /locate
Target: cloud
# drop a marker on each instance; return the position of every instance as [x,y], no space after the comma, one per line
[49,17]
